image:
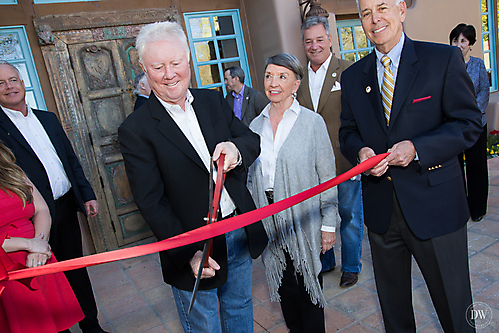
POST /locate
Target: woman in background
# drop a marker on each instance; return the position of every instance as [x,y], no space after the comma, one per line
[45,303]
[476,176]
[296,154]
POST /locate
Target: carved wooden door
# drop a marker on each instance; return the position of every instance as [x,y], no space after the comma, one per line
[104,74]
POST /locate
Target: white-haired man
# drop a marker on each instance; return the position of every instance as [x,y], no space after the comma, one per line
[415,100]
[142,90]
[166,145]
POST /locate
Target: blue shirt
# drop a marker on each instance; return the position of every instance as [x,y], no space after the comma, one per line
[238,102]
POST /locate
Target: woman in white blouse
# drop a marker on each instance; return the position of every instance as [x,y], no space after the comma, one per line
[296,154]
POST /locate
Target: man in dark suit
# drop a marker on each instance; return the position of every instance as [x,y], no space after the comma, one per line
[320,90]
[166,146]
[246,102]
[416,101]
[142,90]
[44,152]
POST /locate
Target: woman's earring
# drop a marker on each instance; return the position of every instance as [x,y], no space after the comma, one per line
[294,94]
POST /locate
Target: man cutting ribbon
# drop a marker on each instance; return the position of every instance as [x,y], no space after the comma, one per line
[166,145]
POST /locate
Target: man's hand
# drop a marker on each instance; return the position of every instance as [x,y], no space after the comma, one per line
[207,272]
[378,170]
[401,154]
[231,155]
[92,208]
[327,240]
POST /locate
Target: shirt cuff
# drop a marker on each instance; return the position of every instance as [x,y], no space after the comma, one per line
[328,228]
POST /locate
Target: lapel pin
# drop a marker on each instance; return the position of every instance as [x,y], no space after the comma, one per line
[368,89]
[334,74]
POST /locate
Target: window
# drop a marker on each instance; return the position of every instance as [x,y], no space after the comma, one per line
[216,43]
[354,44]
[8,2]
[488,41]
[14,48]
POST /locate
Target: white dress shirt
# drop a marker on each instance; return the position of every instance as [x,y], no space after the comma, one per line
[394,56]
[38,139]
[269,146]
[189,125]
[316,80]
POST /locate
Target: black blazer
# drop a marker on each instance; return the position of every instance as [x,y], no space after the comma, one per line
[169,181]
[433,106]
[29,162]
[253,104]
[139,102]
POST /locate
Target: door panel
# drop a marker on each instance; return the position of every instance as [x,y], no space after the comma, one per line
[104,75]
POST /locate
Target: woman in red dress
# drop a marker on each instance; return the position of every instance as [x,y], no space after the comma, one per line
[45,303]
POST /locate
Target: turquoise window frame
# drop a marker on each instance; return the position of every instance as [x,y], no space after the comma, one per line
[238,35]
[32,82]
[8,2]
[356,50]
[491,52]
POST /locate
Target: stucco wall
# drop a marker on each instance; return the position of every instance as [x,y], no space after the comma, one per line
[432,20]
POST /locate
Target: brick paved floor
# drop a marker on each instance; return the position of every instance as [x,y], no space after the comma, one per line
[133,299]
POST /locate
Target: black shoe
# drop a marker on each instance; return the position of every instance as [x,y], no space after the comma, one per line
[348,279]
[477,218]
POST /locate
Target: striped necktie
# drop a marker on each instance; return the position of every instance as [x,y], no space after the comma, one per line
[388,88]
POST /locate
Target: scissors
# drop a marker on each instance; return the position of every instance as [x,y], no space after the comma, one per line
[214,202]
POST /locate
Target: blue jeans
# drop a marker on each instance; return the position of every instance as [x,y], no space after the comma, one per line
[351,228]
[228,308]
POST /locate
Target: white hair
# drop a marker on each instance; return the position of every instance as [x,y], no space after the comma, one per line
[358,5]
[161,31]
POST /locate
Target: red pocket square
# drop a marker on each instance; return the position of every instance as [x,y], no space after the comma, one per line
[417,100]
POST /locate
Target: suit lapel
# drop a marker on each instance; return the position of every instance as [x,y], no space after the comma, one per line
[371,88]
[41,116]
[170,130]
[245,103]
[328,84]
[12,130]
[202,111]
[404,82]
[306,98]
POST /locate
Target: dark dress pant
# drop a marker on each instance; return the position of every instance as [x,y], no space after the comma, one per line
[476,175]
[300,314]
[443,262]
[65,241]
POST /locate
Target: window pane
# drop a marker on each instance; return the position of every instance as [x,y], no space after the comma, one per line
[484,6]
[24,74]
[360,37]
[205,51]
[350,56]
[31,100]
[209,74]
[485,23]
[486,60]
[347,38]
[223,25]
[228,48]
[486,43]
[230,64]
[362,54]
[9,47]
[200,27]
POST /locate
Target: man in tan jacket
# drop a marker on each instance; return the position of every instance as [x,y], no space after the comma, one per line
[320,91]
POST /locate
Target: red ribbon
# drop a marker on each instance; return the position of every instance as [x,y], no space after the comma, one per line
[196,235]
